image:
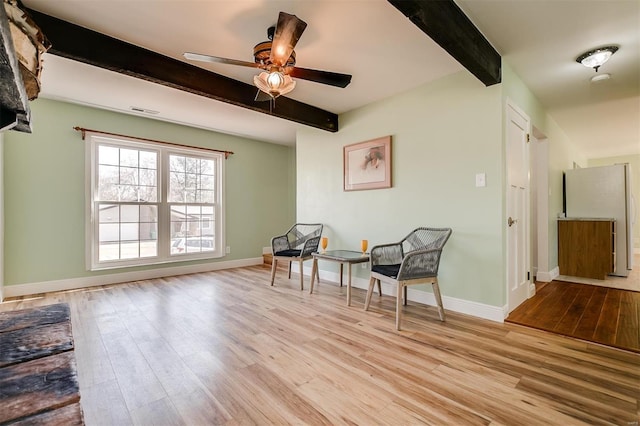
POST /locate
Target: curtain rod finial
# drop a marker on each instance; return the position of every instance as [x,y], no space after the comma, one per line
[80,129]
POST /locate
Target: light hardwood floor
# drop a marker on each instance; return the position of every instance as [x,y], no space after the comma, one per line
[226,348]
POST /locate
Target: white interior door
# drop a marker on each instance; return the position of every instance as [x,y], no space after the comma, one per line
[518,279]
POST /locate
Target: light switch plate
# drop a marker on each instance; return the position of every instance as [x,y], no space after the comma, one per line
[481,179]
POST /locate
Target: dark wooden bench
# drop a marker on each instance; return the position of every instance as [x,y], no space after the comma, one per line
[38,381]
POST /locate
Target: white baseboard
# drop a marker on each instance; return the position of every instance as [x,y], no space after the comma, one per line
[97,280]
[546,277]
[266,250]
[467,307]
[480,310]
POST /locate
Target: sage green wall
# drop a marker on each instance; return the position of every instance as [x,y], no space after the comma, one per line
[562,151]
[634,161]
[292,191]
[443,133]
[44,174]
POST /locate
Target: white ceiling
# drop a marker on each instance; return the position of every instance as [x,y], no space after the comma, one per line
[541,39]
[375,43]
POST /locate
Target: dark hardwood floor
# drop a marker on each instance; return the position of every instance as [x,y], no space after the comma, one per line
[597,314]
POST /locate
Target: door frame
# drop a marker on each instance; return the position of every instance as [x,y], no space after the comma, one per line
[509,104]
[540,172]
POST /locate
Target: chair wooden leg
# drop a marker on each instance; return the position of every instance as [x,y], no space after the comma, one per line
[289,269]
[405,295]
[399,305]
[379,288]
[436,293]
[274,263]
[314,272]
[372,282]
[301,276]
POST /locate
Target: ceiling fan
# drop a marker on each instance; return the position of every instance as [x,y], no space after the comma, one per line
[277,58]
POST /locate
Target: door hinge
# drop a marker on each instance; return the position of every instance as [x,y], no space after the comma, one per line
[528,137]
[528,275]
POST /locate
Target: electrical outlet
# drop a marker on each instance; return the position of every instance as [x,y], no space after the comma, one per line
[364,265]
[228,249]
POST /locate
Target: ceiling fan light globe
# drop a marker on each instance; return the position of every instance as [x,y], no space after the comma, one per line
[274,83]
[288,85]
[275,80]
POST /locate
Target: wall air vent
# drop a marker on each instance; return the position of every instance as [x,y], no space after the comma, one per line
[144,110]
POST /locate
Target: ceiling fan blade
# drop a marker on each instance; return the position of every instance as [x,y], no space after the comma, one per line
[288,32]
[323,77]
[262,97]
[218,60]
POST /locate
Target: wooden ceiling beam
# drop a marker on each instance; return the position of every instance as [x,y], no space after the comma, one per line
[14,106]
[84,45]
[447,25]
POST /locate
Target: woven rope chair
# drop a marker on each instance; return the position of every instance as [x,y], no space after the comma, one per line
[414,260]
[296,245]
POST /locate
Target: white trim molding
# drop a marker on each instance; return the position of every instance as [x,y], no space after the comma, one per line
[547,277]
[98,280]
[461,306]
[266,250]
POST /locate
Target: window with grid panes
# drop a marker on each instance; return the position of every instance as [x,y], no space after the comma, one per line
[152,203]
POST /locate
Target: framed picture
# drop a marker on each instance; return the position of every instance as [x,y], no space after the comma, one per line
[367,165]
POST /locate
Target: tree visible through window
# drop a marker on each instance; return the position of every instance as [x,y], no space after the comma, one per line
[191,197]
[152,203]
[127,203]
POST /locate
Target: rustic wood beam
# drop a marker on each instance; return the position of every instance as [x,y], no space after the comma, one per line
[84,45]
[447,25]
[14,107]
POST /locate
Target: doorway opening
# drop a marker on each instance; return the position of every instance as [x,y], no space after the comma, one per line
[539,208]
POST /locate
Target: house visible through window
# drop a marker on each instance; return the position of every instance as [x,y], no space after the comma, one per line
[152,203]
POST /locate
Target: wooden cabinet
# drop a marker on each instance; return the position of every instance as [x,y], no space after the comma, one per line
[586,248]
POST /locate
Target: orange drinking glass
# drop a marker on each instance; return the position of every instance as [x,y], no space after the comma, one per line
[324,242]
[363,246]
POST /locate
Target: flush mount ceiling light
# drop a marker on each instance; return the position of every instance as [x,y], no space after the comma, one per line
[596,57]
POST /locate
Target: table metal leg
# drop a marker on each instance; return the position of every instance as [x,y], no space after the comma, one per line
[349,285]
[341,265]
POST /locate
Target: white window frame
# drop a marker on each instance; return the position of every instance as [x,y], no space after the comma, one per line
[164,216]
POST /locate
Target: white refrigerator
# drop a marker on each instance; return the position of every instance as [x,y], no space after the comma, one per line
[605,192]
